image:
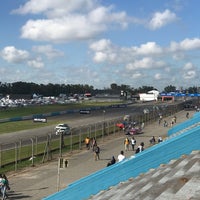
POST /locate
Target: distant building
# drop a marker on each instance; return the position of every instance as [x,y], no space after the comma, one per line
[87,94]
[149,96]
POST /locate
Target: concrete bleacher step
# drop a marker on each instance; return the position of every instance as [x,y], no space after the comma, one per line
[169,181]
[185,129]
[182,131]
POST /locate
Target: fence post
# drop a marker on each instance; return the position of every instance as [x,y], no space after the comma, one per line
[71,140]
[0,156]
[16,156]
[90,131]
[36,145]
[32,153]
[114,127]
[102,131]
[61,138]
[19,151]
[79,139]
[95,130]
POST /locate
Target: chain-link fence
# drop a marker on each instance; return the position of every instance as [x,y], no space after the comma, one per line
[28,152]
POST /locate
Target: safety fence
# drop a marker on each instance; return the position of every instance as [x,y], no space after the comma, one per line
[40,149]
[150,158]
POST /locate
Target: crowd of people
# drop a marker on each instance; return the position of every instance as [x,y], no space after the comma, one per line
[129,144]
[91,143]
[173,120]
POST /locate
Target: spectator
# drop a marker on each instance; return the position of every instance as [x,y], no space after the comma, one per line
[121,156]
[133,143]
[165,124]
[152,140]
[160,119]
[96,153]
[187,115]
[126,144]
[112,161]
[175,119]
[94,143]
[140,148]
[87,142]
[160,139]
[3,186]
[6,183]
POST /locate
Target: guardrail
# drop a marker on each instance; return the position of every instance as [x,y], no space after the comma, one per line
[52,114]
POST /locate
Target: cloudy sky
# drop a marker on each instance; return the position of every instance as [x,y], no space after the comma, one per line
[99,42]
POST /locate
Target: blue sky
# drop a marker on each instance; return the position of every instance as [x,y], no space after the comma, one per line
[100,42]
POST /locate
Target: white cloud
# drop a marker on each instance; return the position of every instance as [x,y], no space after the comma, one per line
[161,19]
[48,51]
[105,51]
[178,55]
[54,8]
[148,48]
[189,71]
[189,74]
[36,63]
[101,45]
[100,57]
[136,75]
[13,55]
[68,20]
[70,28]
[145,63]
[188,66]
[158,76]
[185,45]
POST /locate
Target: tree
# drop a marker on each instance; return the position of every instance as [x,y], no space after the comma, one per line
[192,89]
[145,89]
[170,88]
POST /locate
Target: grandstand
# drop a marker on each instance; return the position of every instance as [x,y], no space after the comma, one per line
[168,170]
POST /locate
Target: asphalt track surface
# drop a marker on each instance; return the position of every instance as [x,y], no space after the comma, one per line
[73,120]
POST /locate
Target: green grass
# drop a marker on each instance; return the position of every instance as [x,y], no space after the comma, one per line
[8,127]
[25,152]
[42,109]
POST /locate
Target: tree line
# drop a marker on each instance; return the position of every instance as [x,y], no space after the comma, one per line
[26,88]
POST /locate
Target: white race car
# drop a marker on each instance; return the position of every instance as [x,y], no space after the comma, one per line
[62,128]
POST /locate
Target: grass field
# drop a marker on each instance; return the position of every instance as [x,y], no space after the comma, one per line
[7,127]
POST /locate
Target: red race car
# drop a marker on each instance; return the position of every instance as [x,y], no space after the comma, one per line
[120,125]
